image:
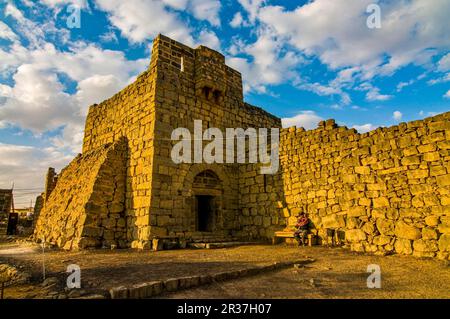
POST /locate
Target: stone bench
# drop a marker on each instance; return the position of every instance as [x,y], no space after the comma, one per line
[284,234]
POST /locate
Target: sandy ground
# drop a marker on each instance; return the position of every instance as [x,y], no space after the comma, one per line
[336,273]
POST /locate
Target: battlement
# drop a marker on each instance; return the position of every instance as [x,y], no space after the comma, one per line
[206,67]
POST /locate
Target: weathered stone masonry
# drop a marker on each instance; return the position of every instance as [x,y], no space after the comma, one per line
[387,190]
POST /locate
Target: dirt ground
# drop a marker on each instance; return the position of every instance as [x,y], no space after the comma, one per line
[336,272]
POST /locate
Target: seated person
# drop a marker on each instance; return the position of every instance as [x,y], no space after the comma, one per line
[301,229]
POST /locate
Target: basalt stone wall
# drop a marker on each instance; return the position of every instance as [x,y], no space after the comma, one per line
[196,84]
[131,114]
[86,208]
[388,190]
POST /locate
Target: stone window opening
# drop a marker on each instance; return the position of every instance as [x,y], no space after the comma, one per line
[206,179]
[212,94]
[206,90]
[217,96]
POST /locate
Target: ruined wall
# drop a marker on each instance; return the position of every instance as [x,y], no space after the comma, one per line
[388,190]
[38,205]
[50,182]
[86,206]
[195,84]
[6,197]
[131,114]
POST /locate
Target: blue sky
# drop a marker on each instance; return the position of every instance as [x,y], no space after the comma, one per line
[303,61]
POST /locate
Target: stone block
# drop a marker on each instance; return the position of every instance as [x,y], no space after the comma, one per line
[385,226]
[444,243]
[333,221]
[119,293]
[355,235]
[425,245]
[403,246]
[380,202]
[417,174]
[443,180]
[405,231]
[356,211]
[171,284]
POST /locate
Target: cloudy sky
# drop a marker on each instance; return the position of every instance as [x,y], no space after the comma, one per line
[302,60]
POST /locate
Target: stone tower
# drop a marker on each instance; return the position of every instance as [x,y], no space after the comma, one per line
[154,196]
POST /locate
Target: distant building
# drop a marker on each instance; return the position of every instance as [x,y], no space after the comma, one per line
[6,196]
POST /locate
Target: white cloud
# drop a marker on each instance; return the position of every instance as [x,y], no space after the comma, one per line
[305,119]
[402,85]
[142,20]
[11,10]
[6,32]
[397,115]
[373,93]
[364,127]
[37,101]
[443,79]
[206,10]
[336,32]
[97,88]
[59,3]
[325,90]
[444,63]
[237,20]
[266,63]
[33,32]
[447,95]
[209,39]
[252,8]
[109,36]
[26,166]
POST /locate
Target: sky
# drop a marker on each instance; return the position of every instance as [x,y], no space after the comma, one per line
[304,61]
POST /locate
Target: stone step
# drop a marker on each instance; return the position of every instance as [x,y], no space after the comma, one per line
[217,245]
[215,239]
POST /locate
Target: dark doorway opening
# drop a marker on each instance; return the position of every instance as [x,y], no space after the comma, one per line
[205,213]
[12,223]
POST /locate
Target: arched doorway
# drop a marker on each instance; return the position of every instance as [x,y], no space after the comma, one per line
[207,189]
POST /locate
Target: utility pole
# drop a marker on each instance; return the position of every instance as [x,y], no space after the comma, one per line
[12,197]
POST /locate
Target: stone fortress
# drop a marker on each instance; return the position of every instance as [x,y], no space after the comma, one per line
[387,191]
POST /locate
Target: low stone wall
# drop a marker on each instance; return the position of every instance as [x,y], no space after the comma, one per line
[158,287]
[388,190]
[86,207]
